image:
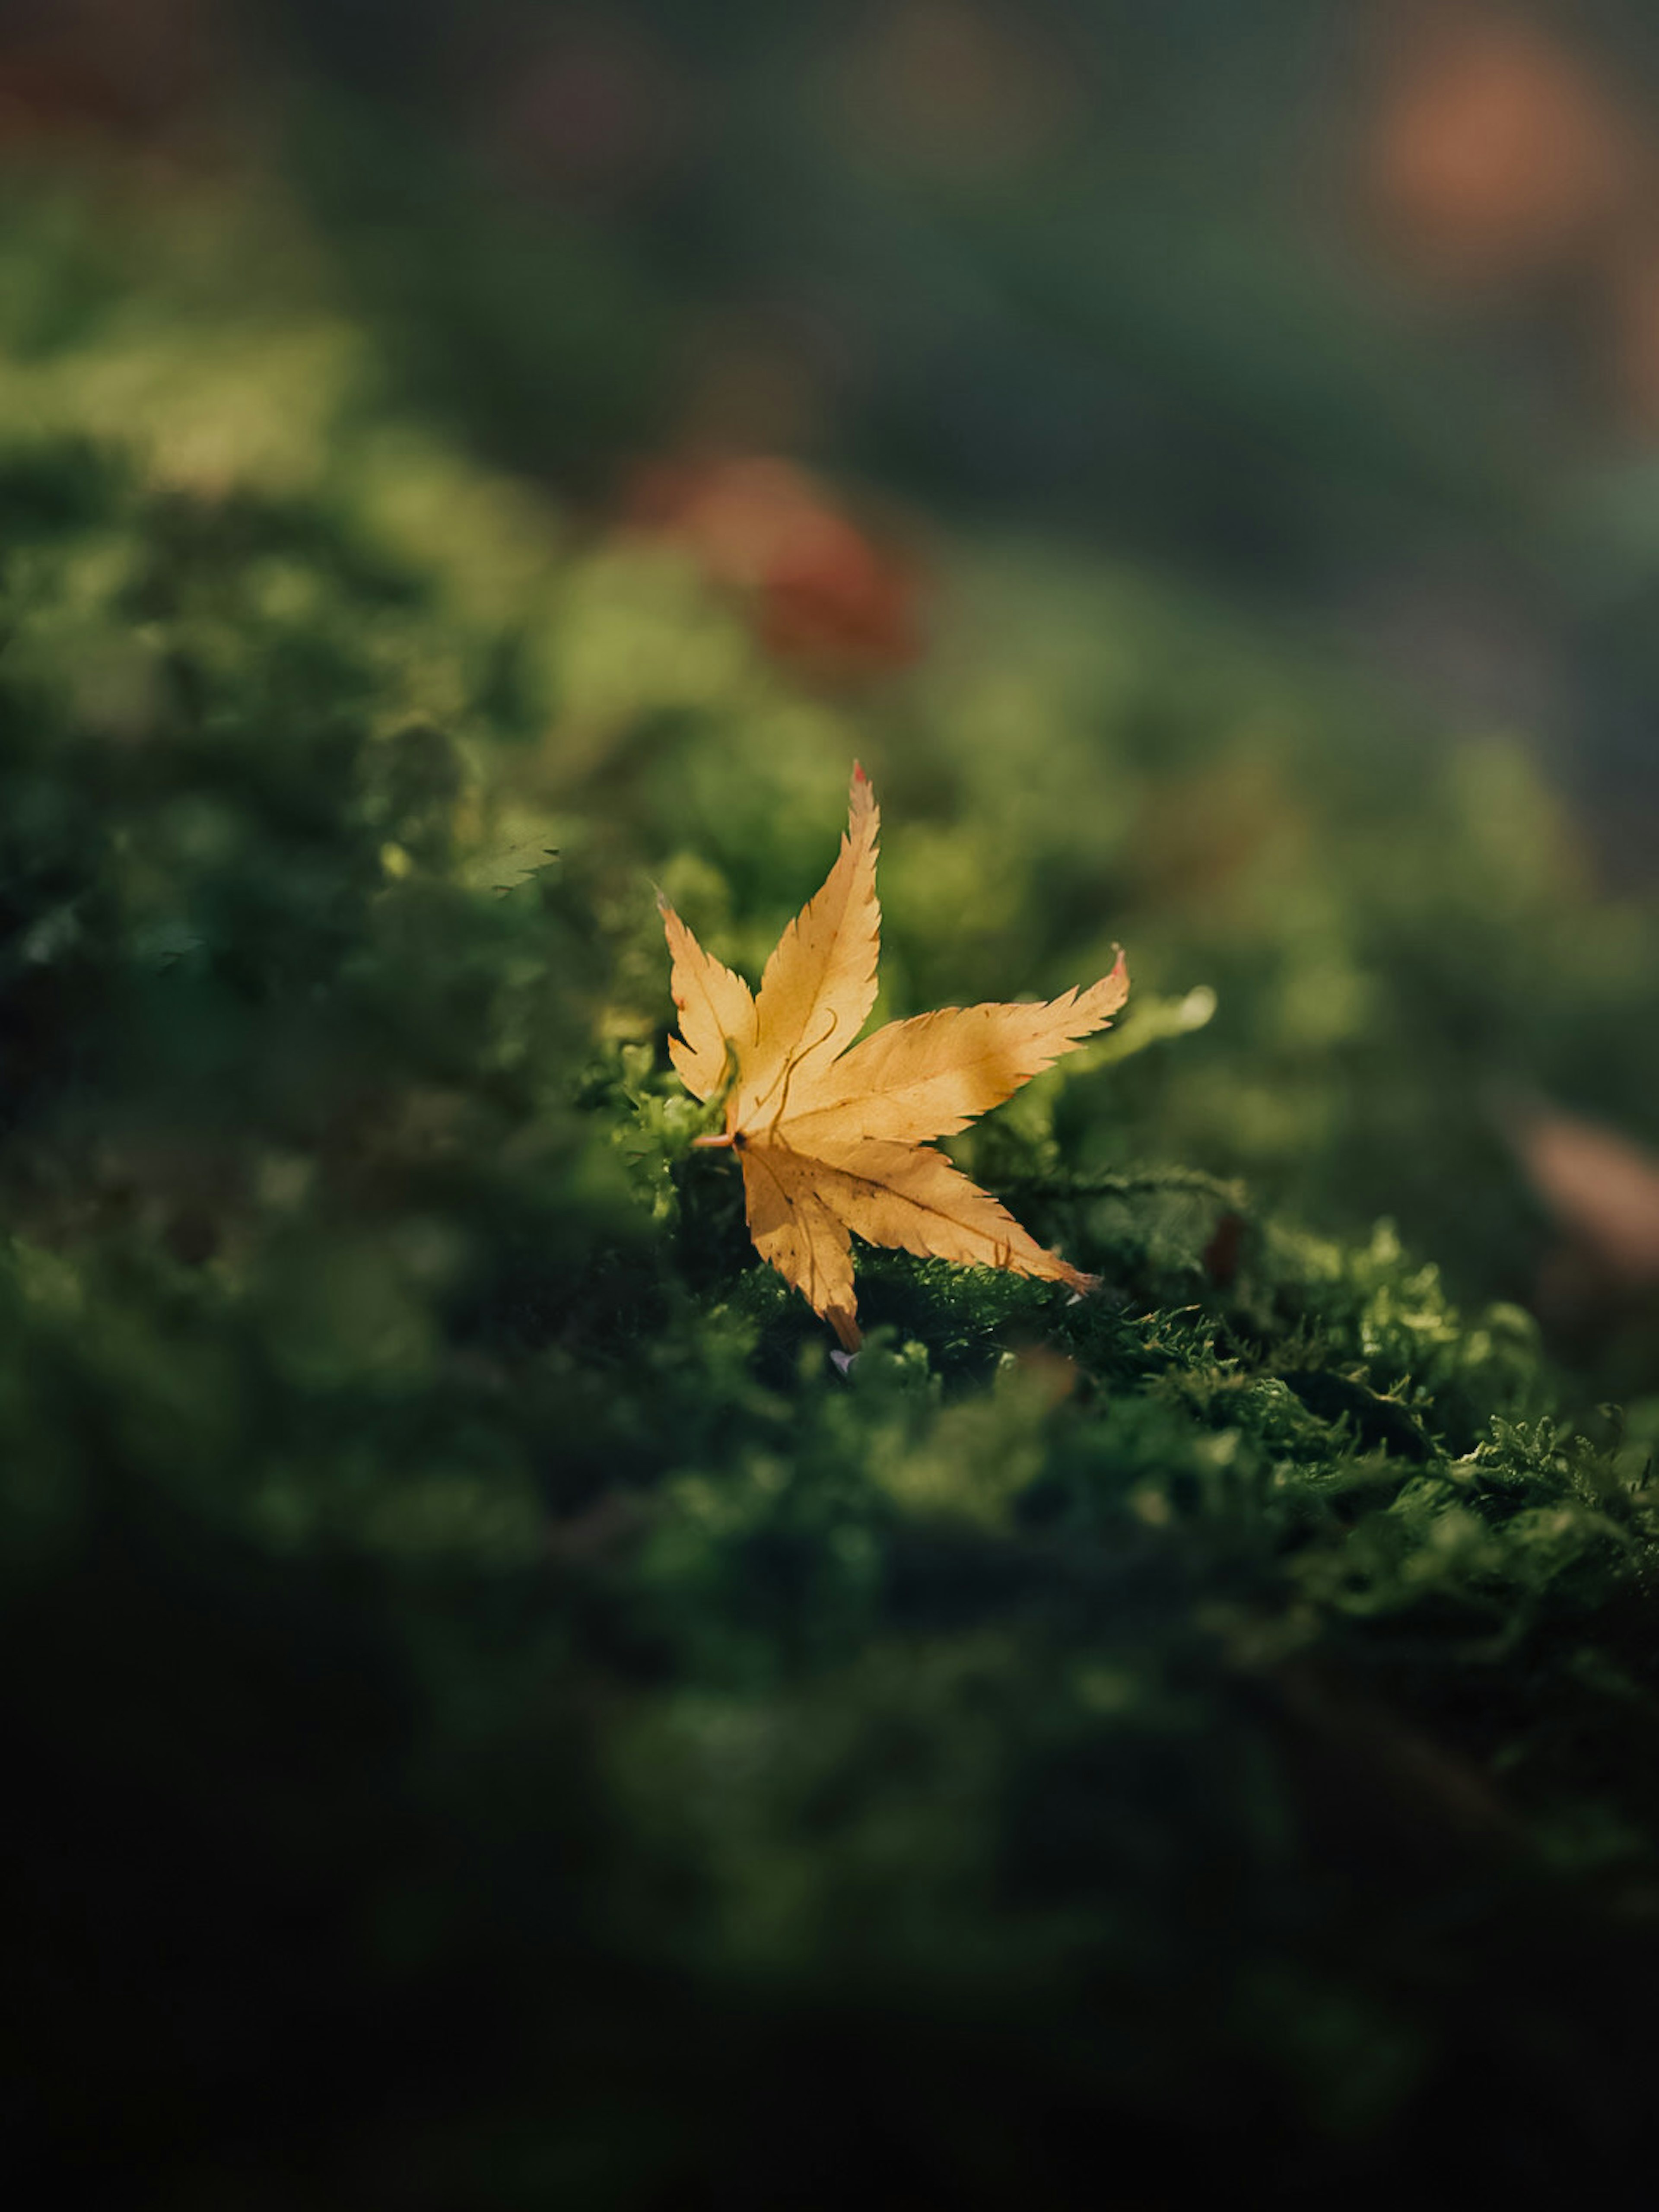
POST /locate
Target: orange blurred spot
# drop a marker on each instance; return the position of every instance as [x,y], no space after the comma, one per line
[825,593]
[1497,151]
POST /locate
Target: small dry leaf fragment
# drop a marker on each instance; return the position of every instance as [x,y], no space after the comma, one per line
[834,1135]
[1603,1189]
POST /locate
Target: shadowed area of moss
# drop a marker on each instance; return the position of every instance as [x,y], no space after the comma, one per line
[494,1717]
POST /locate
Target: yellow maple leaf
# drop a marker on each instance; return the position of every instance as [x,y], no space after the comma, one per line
[833,1135]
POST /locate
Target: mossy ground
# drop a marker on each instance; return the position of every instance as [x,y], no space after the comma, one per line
[494,1718]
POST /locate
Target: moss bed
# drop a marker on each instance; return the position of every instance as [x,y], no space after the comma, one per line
[493,1717]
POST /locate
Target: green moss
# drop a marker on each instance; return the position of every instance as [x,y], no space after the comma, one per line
[496,1717]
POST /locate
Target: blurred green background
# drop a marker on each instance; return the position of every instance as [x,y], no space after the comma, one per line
[494,1718]
[1350,308]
